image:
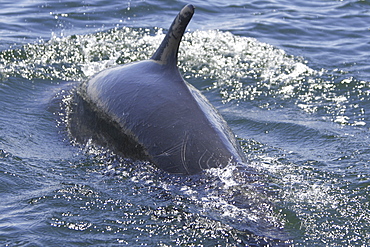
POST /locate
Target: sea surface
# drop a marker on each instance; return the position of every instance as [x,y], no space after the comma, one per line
[291,78]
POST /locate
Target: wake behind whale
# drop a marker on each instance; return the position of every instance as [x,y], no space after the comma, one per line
[145,110]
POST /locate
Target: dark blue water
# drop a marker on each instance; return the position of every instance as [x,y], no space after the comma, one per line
[291,78]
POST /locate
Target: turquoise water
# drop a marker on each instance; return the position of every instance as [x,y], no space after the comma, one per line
[291,78]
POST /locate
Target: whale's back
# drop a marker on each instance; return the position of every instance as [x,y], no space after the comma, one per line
[146,110]
[169,121]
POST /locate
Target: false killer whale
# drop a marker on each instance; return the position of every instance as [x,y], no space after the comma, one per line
[145,110]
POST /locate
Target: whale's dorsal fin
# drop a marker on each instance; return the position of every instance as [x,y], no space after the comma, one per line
[167,52]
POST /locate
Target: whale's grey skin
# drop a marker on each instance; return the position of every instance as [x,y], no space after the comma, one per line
[145,110]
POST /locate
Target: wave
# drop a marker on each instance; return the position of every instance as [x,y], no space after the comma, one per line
[235,73]
[241,69]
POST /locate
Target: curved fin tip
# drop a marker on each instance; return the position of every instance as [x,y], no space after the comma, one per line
[167,51]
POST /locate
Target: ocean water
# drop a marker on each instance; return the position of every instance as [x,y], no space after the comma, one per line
[292,79]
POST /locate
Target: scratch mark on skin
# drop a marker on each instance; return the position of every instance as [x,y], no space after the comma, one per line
[200,159]
[172,150]
[183,152]
[210,157]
